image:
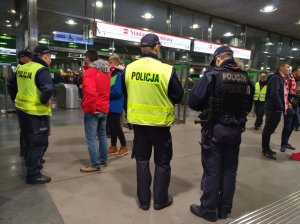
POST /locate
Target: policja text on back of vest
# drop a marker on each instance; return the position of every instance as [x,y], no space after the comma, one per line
[146,77]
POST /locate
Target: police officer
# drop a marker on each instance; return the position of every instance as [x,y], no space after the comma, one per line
[24,57]
[224,95]
[152,88]
[34,88]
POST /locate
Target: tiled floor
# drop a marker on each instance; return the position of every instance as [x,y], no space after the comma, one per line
[109,197]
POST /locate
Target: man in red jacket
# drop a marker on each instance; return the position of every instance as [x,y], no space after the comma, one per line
[95,105]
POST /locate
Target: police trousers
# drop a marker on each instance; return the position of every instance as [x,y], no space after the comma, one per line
[35,135]
[220,162]
[160,138]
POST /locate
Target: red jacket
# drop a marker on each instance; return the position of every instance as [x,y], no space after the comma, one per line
[95,90]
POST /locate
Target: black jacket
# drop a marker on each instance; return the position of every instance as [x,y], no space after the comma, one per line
[275,93]
[199,95]
[43,82]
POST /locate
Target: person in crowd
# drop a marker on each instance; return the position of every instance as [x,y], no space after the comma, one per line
[224,95]
[277,92]
[116,108]
[33,87]
[259,100]
[95,105]
[296,73]
[24,57]
[290,115]
[151,89]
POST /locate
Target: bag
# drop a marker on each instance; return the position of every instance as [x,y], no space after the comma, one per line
[295,156]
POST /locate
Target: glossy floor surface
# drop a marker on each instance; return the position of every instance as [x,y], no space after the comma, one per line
[109,197]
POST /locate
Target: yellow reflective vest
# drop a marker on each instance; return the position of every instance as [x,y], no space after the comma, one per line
[28,96]
[147,81]
[260,94]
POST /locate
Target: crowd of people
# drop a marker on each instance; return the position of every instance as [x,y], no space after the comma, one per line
[147,91]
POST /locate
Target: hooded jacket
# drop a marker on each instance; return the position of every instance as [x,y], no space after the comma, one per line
[96,88]
[275,93]
[116,95]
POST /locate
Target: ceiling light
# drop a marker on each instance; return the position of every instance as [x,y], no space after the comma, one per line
[266,52]
[99,4]
[8,25]
[195,26]
[4,34]
[12,11]
[183,57]
[54,32]
[268,8]
[228,34]
[191,38]
[295,49]
[71,22]
[104,49]
[282,58]
[269,44]
[146,29]
[112,48]
[291,57]
[298,22]
[148,15]
[7,21]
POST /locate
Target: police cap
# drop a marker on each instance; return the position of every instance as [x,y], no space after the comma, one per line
[150,40]
[24,53]
[40,50]
[218,51]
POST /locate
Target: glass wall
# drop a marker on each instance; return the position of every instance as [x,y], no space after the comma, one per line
[77,16]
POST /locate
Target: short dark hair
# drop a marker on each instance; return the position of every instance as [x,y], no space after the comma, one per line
[282,64]
[295,69]
[92,54]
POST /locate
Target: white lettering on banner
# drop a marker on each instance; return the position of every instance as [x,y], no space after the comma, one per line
[110,30]
[209,48]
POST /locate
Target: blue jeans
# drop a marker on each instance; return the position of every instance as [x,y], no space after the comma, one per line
[95,126]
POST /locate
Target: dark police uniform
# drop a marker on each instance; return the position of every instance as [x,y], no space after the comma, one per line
[221,136]
[32,109]
[151,89]
[13,93]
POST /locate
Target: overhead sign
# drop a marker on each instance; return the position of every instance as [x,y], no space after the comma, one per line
[71,37]
[209,48]
[7,51]
[110,30]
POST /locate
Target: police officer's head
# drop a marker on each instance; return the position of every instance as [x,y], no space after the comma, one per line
[150,44]
[284,68]
[24,56]
[221,54]
[91,55]
[43,53]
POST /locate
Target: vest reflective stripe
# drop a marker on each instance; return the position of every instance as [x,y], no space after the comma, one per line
[147,83]
[260,94]
[28,96]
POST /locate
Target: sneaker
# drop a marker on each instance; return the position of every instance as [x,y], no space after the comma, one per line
[89,168]
[103,164]
[269,155]
[112,150]
[296,129]
[289,146]
[122,151]
[282,148]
